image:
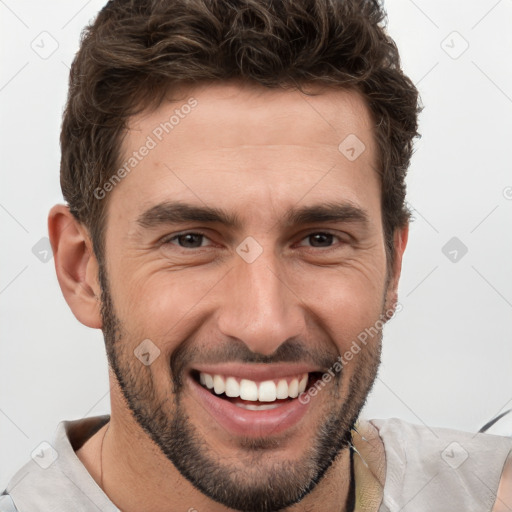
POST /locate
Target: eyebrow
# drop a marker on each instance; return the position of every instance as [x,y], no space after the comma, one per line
[175,212]
[328,212]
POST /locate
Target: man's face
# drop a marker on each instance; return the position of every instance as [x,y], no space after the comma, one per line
[246,245]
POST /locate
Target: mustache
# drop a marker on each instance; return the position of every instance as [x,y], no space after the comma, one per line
[293,350]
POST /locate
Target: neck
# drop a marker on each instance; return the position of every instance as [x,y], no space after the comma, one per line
[135,475]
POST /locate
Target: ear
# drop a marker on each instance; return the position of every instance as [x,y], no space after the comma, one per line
[400,238]
[76,266]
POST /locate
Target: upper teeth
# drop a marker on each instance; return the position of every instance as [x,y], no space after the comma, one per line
[266,391]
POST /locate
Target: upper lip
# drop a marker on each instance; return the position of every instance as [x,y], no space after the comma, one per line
[257,372]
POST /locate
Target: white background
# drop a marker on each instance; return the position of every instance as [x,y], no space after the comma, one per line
[447,355]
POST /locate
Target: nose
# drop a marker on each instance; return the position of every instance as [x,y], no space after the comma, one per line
[259,306]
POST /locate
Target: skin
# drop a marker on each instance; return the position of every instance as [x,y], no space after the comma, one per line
[503,501]
[258,154]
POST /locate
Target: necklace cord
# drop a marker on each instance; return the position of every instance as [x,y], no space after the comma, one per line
[351,498]
[101,456]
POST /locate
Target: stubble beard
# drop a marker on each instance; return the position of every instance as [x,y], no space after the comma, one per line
[255,485]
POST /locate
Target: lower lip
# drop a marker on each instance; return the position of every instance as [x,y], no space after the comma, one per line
[243,422]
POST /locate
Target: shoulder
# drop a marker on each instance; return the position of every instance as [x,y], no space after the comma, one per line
[443,462]
[6,504]
[55,476]
[403,436]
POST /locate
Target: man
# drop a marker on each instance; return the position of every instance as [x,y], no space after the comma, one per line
[236,220]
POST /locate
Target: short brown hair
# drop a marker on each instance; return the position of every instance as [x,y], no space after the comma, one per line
[136,51]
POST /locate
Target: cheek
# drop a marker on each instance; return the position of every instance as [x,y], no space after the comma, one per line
[168,305]
[161,304]
[345,301]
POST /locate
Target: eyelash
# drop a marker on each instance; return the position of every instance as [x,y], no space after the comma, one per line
[169,240]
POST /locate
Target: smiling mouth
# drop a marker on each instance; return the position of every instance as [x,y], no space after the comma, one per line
[256,396]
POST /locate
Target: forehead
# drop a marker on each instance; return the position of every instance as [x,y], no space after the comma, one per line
[223,142]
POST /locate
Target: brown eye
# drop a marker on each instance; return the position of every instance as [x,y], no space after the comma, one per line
[321,239]
[188,240]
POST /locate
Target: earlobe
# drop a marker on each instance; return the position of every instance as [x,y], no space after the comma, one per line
[76,266]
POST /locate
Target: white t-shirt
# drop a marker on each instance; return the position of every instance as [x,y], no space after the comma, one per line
[426,470]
